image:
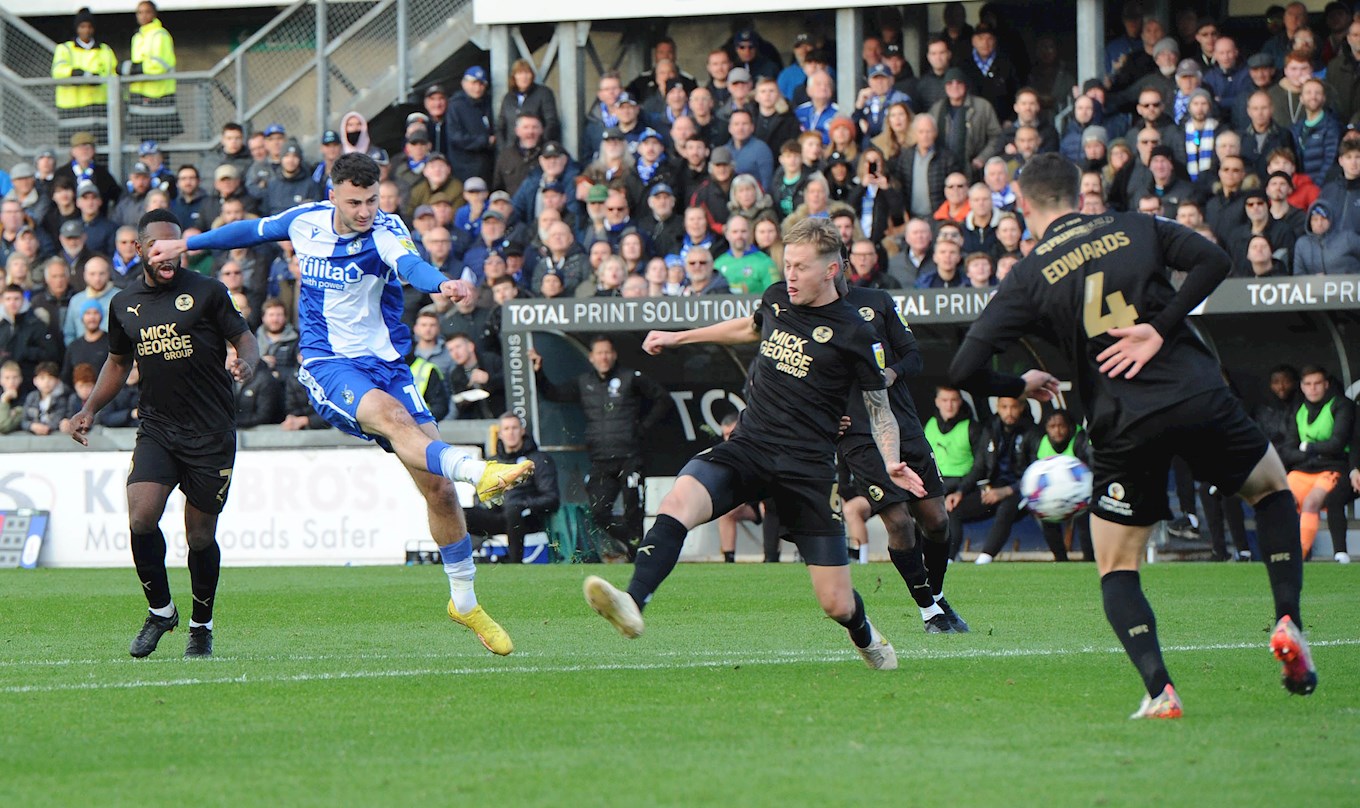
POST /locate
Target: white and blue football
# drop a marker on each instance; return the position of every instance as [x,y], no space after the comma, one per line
[1056,488]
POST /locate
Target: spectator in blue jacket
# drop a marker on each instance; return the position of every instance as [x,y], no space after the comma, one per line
[1317,131]
[472,139]
[554,166]
[1326,250]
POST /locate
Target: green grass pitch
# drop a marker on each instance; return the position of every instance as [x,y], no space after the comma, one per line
[349,686]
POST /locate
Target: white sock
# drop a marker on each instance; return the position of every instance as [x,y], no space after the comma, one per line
[168,610]
[207,625]
[1194,520]
[461,574]
[864,553]
[930,611]
[460,466]
[983,558]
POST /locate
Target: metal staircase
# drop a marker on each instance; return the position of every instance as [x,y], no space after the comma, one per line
[370,54]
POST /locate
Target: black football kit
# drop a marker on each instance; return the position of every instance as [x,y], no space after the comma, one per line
[178,334]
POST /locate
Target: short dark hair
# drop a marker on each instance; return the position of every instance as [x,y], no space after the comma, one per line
[1348,146]
[151,217]
[48,368]
[233,126]
[355,168]
[1310,370]
[740,111]
[1288,370]
[12,288]
[1051,181]
[598,338]
[730,418]
[189,166]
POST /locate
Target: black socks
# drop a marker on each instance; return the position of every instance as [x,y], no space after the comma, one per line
[1131,617]
[656,557]
[858,625]
[204,568]
[148,555]
[911,566]
[1277,533]
[729,556]
[936,556]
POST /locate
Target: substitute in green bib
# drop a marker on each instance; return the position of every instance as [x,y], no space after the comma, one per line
[82,106]
[1061,435]
[1317,448]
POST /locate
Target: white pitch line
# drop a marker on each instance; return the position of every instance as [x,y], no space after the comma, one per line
[773,658]
[916,653]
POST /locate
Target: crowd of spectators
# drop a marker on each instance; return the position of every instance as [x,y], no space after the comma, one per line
[683,183]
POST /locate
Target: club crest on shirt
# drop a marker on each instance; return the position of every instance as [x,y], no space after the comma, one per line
[184,302]
[822,333]
[867,313]
[355,246]
[348,395]
[875,493]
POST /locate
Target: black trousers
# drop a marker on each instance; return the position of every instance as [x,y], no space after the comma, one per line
[488,521]
[971,509]
[609,478]
[1336,503]
[1184,479]
[1081,536]
[1220,508]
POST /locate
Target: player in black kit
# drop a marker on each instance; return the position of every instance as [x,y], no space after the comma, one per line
[1098,286]
[176,325]
[813,347]
[921,564]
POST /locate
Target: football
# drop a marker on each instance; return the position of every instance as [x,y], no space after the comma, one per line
[1056,488]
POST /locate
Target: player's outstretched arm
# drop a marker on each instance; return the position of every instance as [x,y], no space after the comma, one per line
[246,233]
[112,378]
[883,425]
[1205,264]
[740,331]
[971,371]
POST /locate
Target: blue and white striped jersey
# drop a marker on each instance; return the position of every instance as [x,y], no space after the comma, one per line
[349,293]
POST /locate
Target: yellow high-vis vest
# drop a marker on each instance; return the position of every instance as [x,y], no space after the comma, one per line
[96,61]
[153,49]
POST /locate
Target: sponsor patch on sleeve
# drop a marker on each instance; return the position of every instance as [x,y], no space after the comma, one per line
[878,356]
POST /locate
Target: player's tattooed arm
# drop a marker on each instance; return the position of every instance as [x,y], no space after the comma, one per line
[883,425]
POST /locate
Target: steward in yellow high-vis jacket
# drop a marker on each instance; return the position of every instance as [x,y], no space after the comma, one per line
[83,106]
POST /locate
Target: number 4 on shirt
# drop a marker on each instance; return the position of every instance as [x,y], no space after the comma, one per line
[1121,315]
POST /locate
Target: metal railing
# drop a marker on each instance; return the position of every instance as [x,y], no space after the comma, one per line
[369,53]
